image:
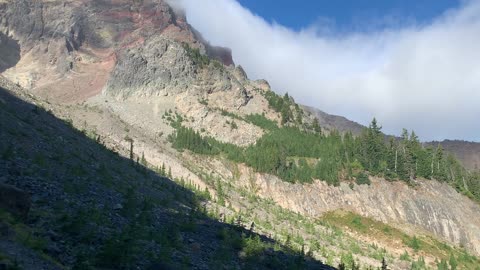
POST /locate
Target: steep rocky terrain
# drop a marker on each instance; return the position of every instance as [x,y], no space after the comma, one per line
[73,45]
[66,201]
[128,76]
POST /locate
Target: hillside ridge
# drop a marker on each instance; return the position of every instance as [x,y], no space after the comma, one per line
[145,87]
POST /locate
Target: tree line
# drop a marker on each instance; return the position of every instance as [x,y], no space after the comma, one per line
[297,155]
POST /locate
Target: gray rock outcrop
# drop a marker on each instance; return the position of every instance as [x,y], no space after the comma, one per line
[434,207]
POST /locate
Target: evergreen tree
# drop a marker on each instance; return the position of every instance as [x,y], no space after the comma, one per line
[130,140]
[442,265]
[374,147]
[439,167]
[414,149]
[316,126]
[408,164]
[163,170]
[453,262]
[143,161]
[424,163]
[392,160]
[300,155]
[384,264]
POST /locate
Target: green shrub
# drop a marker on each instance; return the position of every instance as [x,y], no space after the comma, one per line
[117,253]
[363,179]
[413,243]
[261,121]
[196,56]
[357,223]
[253,246]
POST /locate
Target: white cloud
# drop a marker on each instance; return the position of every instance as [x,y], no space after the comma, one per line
[421,77]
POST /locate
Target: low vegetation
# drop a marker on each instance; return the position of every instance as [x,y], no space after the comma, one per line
[284,151]
[415,246]
[93,208]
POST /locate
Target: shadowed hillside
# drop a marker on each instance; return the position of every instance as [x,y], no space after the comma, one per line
[86,207]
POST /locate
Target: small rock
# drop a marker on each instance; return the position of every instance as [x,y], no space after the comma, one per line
[117,207]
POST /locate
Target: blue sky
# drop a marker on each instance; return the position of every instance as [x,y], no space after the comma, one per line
[348,14]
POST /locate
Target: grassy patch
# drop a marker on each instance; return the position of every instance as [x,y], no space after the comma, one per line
[261,121]
[426,245]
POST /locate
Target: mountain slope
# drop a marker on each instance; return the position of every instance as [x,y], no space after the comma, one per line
[91,207]
[467,152]
[336,122]
[139,79]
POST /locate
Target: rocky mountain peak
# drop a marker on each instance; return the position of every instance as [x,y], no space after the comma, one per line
[88,38]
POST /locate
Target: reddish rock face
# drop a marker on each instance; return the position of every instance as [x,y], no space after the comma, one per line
[222,54]
[80,41]
[107,24]
[140,21]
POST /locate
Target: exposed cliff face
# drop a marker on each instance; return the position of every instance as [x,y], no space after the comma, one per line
[432,206]
[223,54]
[161,67]
[98,24]
[9,52]
[80,41]
[67,202]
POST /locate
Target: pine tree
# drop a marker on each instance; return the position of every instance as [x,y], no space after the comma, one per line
[424,162]
[163,170]
[143,161]
[130,140]
[408,165]
[375,148]
[392,159]
[442,265]
[439,167]
[414,149]
[384,264]
[316,126]
[453,262]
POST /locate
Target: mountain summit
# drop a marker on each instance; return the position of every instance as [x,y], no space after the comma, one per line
[81,41]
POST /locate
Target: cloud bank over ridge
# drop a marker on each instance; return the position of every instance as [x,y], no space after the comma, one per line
[421,77]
